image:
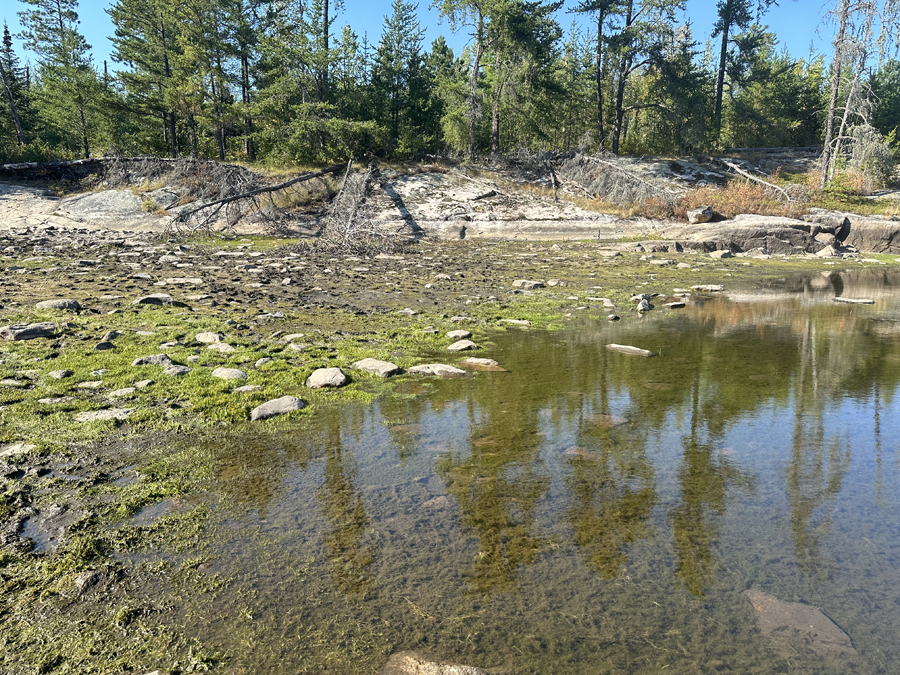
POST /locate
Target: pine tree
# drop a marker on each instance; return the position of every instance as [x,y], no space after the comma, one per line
[70,91]
[11,79]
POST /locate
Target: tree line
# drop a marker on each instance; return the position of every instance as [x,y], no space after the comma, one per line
[280,81]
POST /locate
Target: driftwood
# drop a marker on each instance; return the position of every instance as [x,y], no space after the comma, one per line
[749,176]
[209,210]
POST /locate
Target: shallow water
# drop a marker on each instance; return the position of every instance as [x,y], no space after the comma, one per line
[588,511]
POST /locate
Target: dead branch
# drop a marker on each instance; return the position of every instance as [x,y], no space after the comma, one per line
[211,209]
[740,171]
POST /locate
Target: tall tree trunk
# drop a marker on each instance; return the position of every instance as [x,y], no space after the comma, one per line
[170,117]
[624,67]
[473,84]
[195,149]
[495,112]
[249,146]
[827,153]
[20,134]
[598,68]
[720,79]
[84,130]
[325,28]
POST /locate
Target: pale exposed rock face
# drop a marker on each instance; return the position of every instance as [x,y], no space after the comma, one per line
[327,378]
[376,367]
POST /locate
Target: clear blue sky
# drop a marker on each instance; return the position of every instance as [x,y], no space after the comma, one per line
[793,21]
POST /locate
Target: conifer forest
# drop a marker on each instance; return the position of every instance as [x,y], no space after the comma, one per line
[288,82]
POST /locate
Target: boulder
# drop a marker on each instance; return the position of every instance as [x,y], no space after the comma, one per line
[628,349]
[376,367]
[28,331]
[176,371]
[461,346]
[459,334]
[702,214]
[326,377]
[208,338]
[526,284]
[483,364]
[154,299]
[60,303]
[229,374]
[278,406]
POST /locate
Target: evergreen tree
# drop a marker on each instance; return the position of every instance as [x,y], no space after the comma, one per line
[12,82]
[70,92]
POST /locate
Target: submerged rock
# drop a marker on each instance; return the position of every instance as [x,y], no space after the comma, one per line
[628,349]
[437,369]
[855,301]
[483,364]
[411,663]
[795,629]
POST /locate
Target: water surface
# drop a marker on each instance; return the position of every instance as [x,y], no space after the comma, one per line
[588,511]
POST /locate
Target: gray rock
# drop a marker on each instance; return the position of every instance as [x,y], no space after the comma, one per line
[700,215]
[459,334]
[527,285]
[229,374]
[828,252]
[827,239]
[103,346]
[222,347]
[61,303]
[855,301]
[154,299]
[246,389]
[628,349]
[153,360]
[376,367]
[708,288]
[182,281]
[125,391]
[326,377]
[438,370]
[411,663]
[176,371]
[208,337]
[461,346]
[28,331]
[60,374]
[516,322]
[675,305]
[143,384]
[263,361]
[111,335]
[408,311]
[92,384]
[102,415]
[278,406]
[723,253]
[644,305]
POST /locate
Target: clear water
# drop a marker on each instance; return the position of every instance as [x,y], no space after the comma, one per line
[589,511]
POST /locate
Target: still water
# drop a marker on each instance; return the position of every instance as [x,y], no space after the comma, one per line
[587,511]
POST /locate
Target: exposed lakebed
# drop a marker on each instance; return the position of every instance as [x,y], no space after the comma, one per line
[588,511]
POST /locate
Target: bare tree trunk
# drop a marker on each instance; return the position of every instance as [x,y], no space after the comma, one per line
[598,68]
[473,84]
[249,146]
[20,134]
[827,153]
[495,114]
[720,79]
[624,66]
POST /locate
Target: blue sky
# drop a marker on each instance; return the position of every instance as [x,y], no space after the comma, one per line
[794,21]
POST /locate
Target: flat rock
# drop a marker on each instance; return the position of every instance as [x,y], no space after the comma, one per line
[208,337]
[12,449]
[376,367]
[526,284]
[702,214]
[708,288]
[516,322]
[102,415]
[462,346]
[104,346]
[93,384]
[153,360]
[459,334]
[222,347]
[483,364]
[855,301]
[61,303]
[278,406]
[628,349]
[60,374]
[183,281]
[411,663]
[125,391]
[327,377]
[176,371]
[796,629]
[28,331]
[674,305]
[246,389]
[229,374]
[438,370]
